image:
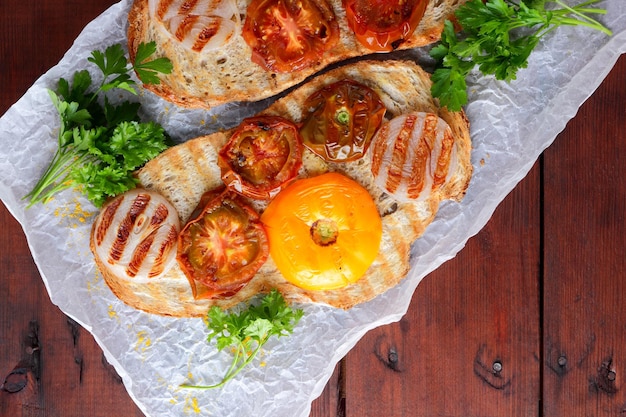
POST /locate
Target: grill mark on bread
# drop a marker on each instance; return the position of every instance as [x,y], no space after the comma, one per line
[404,89]
[401,248]
[137,207]
[198,155]
[244,81]
[410,212]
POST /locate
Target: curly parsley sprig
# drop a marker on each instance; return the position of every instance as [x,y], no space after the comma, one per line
[101,144]
[247,331]
[498,37]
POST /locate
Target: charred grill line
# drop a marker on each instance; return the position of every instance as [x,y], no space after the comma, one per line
[126,226]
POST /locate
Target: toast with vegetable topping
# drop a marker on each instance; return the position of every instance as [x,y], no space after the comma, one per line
[247,50]
[416,144]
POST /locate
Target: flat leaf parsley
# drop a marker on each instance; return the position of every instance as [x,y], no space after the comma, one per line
[246,332]
[101,144]
[498,37]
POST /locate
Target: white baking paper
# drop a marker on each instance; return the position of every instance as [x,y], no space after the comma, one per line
[511,125]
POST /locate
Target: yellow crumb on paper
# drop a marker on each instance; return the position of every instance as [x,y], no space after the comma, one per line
[93,283]
[191,405]
[73,213]
[112,312]
[143,341]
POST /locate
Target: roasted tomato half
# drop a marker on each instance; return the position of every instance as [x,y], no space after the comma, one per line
[289,35]
[381,25]
[262,155]
[223,246]
[341,120]
[324,231]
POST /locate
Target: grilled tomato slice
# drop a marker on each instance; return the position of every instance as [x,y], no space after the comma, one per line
[381,25]
[223,246]
[262,155]
[289,35]
[324,231]
[341,119]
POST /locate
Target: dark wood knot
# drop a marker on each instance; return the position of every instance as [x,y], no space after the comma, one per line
[387,354]
[492,372]
[604,380]
[28,367]
[16,380]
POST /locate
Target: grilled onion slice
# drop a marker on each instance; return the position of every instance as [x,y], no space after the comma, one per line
[135,235]
[413,155]
[199,26]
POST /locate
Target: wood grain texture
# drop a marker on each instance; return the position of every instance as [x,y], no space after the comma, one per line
[585,248]
[63,369]
[538,293]
[470,343]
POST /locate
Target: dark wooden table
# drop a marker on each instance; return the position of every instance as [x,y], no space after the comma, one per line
[528,319]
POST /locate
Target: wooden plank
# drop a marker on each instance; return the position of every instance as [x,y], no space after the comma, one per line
[66,374]
[49,365]
[585,243]
[331,402]
[469,344]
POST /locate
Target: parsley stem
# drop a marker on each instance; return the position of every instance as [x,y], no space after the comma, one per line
[489,39]
[246,331]
[582,13]
[240,358]
[60,166]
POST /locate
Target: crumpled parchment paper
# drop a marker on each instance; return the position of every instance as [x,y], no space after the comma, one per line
[511,125]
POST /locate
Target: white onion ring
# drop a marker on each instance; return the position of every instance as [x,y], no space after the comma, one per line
[200,26]
[413,155]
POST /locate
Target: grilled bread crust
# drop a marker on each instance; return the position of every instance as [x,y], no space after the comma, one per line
[184,172]
[212,78]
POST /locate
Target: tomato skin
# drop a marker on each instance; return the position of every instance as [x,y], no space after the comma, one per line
[324,231]
[262,155]
[381,25]
[341,119]
[289,35]
[224,246]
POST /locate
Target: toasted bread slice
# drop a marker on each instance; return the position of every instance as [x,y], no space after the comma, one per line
[185,172]
[208,79]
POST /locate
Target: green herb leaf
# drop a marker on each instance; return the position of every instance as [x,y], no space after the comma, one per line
[123,112]
[498,36]
[99,145]
[135,143]
[112,61]
[247,331]
[146,70]
[100,182]
[77,92]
